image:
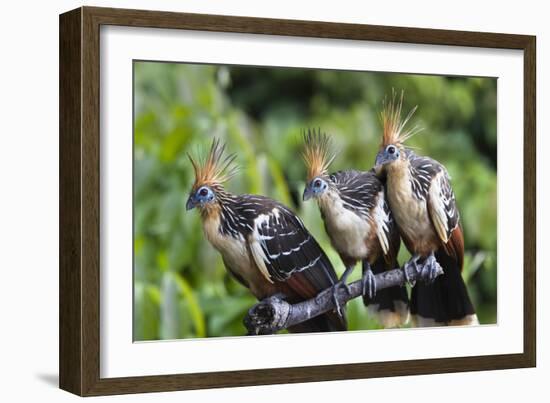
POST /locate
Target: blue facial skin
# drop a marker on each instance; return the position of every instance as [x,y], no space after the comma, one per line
[202,196]
[315,188]
[389,154]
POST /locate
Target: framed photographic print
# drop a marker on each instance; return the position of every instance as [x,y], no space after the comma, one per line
[249,201]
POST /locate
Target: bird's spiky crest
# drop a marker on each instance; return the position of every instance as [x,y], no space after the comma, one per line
[215,169]
[393,126]
[317,153]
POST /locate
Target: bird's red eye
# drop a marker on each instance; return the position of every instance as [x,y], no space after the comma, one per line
[391,150]
[317,183]
[203,192]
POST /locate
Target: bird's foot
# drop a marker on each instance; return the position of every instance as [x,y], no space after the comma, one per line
[412,263]
[430,270]
[335,291]
[368,283]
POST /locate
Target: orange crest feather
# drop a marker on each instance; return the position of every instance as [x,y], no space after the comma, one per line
[394,131]
[317,154]
[215,169]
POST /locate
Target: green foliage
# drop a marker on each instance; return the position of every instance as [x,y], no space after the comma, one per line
[181,288]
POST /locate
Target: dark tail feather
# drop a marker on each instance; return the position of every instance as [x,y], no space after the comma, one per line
[446,301]
[390,306]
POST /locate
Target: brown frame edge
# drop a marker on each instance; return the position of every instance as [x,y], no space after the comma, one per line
[79,200]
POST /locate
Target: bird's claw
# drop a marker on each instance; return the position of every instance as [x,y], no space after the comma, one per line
[430,270]
[413,262]
[335,291]
[368,283]
[427,271]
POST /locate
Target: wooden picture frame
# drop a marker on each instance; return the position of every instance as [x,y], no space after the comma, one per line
[79,347]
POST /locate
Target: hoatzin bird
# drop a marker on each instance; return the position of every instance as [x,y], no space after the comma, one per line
[263,244]
[359,224]
[423,204]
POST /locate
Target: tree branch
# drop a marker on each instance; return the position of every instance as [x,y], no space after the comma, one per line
[274,314]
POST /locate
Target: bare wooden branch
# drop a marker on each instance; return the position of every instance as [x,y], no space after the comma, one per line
[274,313]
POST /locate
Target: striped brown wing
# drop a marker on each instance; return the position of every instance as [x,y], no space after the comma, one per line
[288,248]
[292,256]
[444,215]
[442,206]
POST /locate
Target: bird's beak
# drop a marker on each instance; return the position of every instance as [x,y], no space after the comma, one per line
[380,161]
[308,194]
[191,204]
[379,164]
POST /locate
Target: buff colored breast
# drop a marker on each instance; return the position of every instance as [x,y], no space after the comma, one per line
[410,213]
[236,256]
[347,231]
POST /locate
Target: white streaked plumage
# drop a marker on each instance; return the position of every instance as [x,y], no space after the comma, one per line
[438,210]
[382,220]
